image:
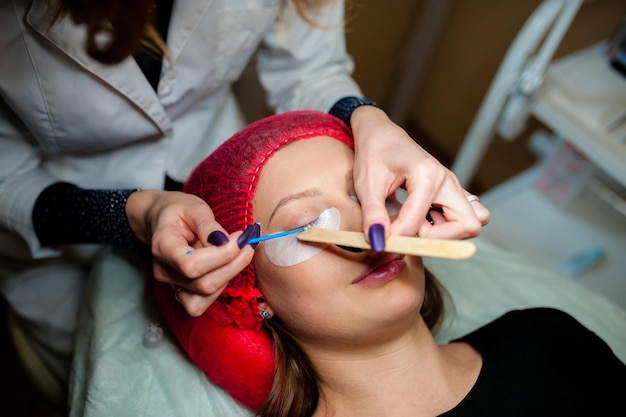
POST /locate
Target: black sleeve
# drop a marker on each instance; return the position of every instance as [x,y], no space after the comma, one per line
[67,214]
[343,108]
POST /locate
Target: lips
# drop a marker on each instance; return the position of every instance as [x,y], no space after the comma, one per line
[384,269]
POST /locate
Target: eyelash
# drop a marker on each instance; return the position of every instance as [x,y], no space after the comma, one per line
[326,219]
[314,223]
[390,203]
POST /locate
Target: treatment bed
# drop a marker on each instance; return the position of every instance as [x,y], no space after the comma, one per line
[116,373]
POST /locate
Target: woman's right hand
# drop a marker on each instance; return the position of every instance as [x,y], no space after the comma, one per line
[177,227]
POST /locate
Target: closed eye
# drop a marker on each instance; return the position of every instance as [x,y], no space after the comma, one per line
[328,219]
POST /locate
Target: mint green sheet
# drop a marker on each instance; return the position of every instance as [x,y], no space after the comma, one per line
[116,375]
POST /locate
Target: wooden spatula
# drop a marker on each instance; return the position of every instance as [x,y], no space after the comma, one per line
[436,248]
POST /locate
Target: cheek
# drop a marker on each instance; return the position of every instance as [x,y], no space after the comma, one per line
[295,293]
[287,294]
[415,269]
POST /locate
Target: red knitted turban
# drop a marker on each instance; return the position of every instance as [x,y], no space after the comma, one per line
[228,342]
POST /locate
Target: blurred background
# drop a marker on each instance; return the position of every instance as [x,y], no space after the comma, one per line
[557,188]
[429,64]
[468,40]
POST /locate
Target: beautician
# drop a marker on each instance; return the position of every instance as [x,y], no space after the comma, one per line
[101,121]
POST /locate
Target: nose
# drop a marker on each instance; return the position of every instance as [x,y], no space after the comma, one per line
[351,220]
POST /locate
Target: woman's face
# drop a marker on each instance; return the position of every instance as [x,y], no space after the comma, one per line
[336,296]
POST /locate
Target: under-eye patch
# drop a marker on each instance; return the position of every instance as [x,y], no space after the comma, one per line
[289,251]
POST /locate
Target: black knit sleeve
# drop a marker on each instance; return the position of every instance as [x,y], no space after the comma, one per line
[343,108]
[67,214]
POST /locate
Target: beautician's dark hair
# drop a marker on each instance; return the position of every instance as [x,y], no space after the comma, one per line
[295,391]
[127,24]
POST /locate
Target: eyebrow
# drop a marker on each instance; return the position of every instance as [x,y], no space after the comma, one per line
[310,193]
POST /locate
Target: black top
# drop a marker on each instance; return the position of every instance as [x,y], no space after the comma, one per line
[542,362]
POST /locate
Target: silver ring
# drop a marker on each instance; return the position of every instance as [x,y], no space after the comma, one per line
[472,197]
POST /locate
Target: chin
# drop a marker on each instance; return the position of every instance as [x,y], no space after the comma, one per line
[401,298]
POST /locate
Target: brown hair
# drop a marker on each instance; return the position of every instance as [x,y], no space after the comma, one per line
[127,25]
[295,391]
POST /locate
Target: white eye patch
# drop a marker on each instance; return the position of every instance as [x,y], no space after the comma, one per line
[289,251]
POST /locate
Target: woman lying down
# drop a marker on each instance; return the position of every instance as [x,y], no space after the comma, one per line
[326,330]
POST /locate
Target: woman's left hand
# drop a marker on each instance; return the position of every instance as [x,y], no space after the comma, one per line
[386,158]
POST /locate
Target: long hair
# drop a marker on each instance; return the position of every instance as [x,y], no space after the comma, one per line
[295,391]
[126,25]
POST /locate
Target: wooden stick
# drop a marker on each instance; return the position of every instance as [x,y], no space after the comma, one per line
[436,248]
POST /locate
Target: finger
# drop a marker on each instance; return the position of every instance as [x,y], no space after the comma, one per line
[412,214]
[423,188]
[192,259]
[374,213]
[189,222]
[196,304]
[446,194]
[216,272]
[198,219]
[372,198]
[460,222]
[482,213]
[436,215]
[214,280]
[196,295]
[208,231]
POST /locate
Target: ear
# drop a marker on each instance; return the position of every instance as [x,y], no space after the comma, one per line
[269,313]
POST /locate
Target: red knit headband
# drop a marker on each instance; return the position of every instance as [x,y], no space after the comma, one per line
[227,342]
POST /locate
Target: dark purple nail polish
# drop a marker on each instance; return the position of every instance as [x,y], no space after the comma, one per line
[217,238]
[429,218]
[377,237]
[252,231]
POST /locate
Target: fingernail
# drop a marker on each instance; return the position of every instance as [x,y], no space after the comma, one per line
[252,231]
[377,237]
[217,238]
[429,218]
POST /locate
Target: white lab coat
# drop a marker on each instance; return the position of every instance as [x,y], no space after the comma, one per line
[66,117]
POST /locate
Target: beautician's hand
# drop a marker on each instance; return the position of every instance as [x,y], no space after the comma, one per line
[387,158]
[190,249]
